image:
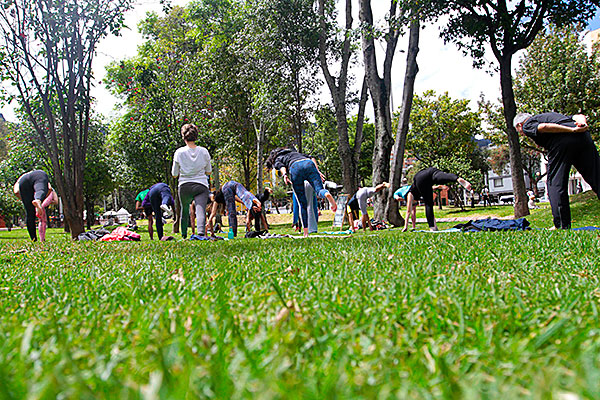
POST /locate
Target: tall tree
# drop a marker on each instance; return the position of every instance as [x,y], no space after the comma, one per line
[391,210]
[380,88]
[557,74]
[47,53]
[508,26]
[341,49]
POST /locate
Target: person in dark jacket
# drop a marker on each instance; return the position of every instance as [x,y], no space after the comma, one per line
[568,141]
[296,168]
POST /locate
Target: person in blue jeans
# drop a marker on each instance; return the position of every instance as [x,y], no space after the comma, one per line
[226,197]
[296,168]
[159,199]
[313,210]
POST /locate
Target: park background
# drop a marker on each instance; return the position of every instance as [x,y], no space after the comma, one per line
[374,315]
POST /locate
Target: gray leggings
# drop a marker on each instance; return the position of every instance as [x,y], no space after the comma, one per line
[199,193]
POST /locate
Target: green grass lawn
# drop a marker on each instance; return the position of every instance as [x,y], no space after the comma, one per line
[376,315]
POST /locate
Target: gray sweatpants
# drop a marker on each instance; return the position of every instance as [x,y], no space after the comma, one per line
[199,194]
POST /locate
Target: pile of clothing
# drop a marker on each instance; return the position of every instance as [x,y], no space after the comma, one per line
[121,234]
[494,224]
[378,225]
[93,235]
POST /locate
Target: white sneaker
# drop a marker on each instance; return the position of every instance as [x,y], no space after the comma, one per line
[166,210]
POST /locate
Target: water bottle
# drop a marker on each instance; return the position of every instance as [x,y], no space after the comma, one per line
[230,235]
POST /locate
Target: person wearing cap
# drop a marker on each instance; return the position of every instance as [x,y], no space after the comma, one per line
[359,202]
[424,183]
[568,141]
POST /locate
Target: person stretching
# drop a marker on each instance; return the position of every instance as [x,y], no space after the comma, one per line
[226,197]
[147,211]
[296,168]
[159,199]
[34,190]
[191,164]
[359,202]
[424,183]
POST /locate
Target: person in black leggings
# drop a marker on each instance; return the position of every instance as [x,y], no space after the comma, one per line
[568,141]
[424,183]
[32,188]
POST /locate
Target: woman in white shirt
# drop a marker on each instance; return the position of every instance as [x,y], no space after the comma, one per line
[191,164]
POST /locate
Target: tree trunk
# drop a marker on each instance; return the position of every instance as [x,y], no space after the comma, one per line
[412,68]
[380,89]
[260,150]
[516,162]
[89,207]
[217,184]
[338,87]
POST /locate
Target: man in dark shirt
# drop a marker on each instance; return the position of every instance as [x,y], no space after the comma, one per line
[569,143]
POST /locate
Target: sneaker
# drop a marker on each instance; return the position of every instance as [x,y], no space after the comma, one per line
[167,212]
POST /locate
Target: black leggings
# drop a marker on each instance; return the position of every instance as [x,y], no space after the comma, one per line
[32,186]
[422,188]
[565,150]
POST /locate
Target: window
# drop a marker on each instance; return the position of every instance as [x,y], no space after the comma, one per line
[498,182]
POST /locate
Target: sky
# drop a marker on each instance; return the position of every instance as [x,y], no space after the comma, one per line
[442,68]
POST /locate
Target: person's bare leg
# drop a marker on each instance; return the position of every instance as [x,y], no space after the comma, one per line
[409,210]
[351,220]
[366,222]
[264,222]
[52,198]
[150,229]
[42,225]
[305,232]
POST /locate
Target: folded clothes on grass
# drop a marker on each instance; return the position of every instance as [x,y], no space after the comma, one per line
[209,238]
[494,224]
[93,235]
[273,236]
[121,234]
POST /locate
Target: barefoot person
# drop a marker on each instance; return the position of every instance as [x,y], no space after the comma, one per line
[569,143]
[424,183]
[34,190]
[296,168]
[191,164]
[225,198]
[359,202]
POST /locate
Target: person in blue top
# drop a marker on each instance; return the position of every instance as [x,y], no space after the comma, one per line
[296,168]
[568,141]
[424,183]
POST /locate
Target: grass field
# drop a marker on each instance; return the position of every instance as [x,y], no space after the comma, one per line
[375,315]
